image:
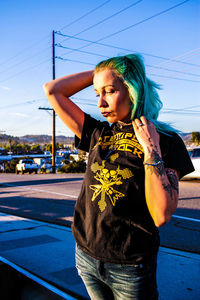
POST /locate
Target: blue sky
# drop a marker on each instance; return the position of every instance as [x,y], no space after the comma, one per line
[165,32]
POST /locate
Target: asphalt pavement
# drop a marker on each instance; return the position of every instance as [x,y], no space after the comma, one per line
[47,251]
[51,198]
[42,242]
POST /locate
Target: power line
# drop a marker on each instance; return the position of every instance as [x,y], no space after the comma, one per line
[176,78]
[41,40]
[184,55]
[22,103]
[183,110]
[92,26]
[81,51]
[85,15]
[106,19]
[105,56]
[158,75]
[195,113]
[76,61]
[123,49]
[144,20]
[21,52]
[172,70]
[126,28]
[23,71]
[112,34]
[26,59]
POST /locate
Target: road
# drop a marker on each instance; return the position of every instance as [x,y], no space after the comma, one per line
[51,198]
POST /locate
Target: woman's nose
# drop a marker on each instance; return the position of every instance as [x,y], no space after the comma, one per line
[101,102]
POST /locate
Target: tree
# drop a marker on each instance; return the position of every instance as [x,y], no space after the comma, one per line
[196,137]
[81,155]
[36,149]
[47,147]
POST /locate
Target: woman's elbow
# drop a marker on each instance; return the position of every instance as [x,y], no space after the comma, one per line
[48,88]
[163,219]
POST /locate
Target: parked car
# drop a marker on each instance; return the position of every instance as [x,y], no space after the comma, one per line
[195,158]
[2,168]
[26,165]
[44,163]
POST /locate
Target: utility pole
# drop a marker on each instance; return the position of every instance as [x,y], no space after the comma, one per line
[54,115]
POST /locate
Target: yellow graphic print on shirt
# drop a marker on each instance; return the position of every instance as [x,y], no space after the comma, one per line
[107,179]
[123,141]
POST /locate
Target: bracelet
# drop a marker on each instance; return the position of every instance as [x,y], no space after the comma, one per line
[154,164]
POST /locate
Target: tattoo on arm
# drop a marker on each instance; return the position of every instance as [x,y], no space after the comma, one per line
[159,168]
[168,188]
[173,182]
[172,179]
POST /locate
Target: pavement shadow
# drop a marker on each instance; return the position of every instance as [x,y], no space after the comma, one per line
[39,181]
[183,231]
[48,210]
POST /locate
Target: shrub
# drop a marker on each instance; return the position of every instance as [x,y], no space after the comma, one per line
[74,167]
[10,166]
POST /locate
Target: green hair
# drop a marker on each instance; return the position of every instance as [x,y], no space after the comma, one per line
[142,91]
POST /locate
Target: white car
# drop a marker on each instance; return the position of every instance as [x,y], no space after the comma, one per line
[26,165]
[195,158]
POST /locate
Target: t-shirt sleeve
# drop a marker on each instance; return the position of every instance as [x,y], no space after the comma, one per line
[89,126]
[177,157]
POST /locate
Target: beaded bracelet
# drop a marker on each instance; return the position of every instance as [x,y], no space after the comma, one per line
[154,164]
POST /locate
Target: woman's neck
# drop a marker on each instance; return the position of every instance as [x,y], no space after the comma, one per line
[128,122]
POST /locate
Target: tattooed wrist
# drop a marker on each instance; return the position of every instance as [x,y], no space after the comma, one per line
[154,158]
[158,168]
[155,163]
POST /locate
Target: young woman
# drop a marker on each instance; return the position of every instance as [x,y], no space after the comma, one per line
[131,182]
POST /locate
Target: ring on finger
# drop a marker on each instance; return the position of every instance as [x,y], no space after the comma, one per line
[140,124]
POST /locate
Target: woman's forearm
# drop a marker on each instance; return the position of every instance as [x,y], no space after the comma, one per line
[161,189]
[58,92]
[70,84]
[161,185]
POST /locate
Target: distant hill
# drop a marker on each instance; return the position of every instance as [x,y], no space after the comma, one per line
[5,137]
[186,136]
[45,139]
[36,139]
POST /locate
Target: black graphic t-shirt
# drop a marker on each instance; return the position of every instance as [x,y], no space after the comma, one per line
[111,219]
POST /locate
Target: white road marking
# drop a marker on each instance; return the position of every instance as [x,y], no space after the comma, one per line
[75,197]
[43,191]
[186,218]
[36,279]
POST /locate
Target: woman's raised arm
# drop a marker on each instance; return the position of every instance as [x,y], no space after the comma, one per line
[58,92]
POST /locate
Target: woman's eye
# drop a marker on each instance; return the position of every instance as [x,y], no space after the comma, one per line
[106,92]
[110,92]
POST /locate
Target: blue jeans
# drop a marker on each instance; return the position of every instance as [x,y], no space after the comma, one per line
[106,281]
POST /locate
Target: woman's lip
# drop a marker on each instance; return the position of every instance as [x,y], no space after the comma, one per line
[106,114]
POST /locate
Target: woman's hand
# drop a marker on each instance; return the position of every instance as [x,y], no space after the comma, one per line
[58,92]
[147,135]
[161,187]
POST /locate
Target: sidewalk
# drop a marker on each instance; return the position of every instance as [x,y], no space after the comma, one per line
[47,250]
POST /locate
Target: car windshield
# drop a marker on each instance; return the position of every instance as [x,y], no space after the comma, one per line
[196,153]
[190,152]
[27,161]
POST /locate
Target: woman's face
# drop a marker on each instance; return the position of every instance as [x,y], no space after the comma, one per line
[114,102]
